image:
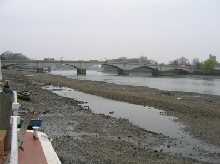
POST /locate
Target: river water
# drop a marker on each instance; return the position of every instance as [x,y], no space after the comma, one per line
[149,118]
[170,83]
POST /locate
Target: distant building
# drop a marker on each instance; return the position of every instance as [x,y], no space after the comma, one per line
[212,57]
[217,65]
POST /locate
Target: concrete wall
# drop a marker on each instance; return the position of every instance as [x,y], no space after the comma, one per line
[5,114]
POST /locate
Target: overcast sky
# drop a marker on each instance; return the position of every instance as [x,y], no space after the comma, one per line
[162,30]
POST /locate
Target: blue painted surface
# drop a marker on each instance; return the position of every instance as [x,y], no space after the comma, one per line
[31,123]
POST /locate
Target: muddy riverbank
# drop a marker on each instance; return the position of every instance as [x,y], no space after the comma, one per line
[81,136]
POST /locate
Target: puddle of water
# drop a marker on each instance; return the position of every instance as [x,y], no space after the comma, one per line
[150,119]
[145,117]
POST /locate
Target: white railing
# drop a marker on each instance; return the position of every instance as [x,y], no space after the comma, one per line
[14,121]
[15,104]
[14,142]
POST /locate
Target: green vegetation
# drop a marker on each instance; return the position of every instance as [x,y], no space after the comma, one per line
[208,66]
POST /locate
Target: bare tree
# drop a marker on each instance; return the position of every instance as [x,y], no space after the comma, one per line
[195,61]
[7,55]
[183,61]
[152,61]
[133,60]
[143,60]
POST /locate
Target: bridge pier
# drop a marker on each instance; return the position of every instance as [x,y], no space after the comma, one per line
[39,70]
[155,72]
[81,71]
[183,72]
[123,72]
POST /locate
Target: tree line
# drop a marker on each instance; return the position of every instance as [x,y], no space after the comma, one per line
[145,60]
[206,66]
[141,60]
[7,55]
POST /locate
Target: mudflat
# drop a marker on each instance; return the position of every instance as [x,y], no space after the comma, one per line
[81,136]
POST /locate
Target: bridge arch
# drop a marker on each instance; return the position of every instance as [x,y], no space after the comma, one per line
[124,69]
[155,71]
[120,70]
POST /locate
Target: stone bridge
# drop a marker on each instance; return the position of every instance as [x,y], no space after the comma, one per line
[124,68]
[81,66]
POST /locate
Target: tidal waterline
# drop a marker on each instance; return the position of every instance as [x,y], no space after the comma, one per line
[148,118]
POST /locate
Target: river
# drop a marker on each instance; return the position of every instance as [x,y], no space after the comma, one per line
[204,85]
[150,118]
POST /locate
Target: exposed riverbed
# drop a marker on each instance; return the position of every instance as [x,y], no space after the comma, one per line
[83,129]
[150,119]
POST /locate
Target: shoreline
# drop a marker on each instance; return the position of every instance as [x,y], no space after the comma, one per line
[193,109]
[186,109]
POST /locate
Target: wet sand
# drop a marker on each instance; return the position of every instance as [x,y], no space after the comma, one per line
[82,137]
